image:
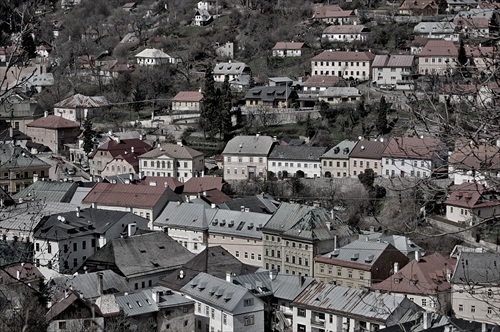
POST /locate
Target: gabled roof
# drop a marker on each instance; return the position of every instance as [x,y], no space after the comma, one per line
[322,81]
[474,268]
[53,122]
[138,303]
[331,11]
[296,152]
[183,215]
[152,53]
[177,151]
[81,101]
[331,55]
[270,93]
[426,276]
[288,46]
[353,302]
[340,91]
[346,29]
[262,203]
[393,61]
[434,27]
[27,273]
[72,300]
[368,149]
[215,261]
[165,181]
[439,47]
[413,148]
[86,284]
[341,150]
[418,4]
[471,195]
[128,195]
[200,184]
[476,157]
[237,223]
[120,146]
[257,145]
[230,68]
[472,23]
[221,294]
[402,243]
[188,96]
[49,191]
[15,157]
[144,254]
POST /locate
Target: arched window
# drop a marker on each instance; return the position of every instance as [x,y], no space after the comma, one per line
[163,164]
[158,164]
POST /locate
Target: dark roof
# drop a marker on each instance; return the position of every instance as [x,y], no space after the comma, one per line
[121,146]
[85,222]
[294,152]
[27,273]
[474,268]
[270,93]
[368,150]
[200,184]
[53,122]
[17,157]
[49,191]
[215,261]
[87,283]
[137,255]
[259,203]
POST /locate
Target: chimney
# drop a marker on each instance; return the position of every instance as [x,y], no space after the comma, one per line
[242,208]
[156,296]
[78,212]
[93,205]
[131,229]
[131,149]
[273,274]
[18,274]
[141,137]
[396,267]
[335,242]
[11,132]
[328,225]
[427,320]
[179,143]
[229,277]
[46,114]
[100,286]
[213,206]
[110,132]
[367,238]
[35,177]
[131,177]
[417,255]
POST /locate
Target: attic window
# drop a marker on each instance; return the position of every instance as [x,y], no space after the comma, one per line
[139,303]
[155,264]
[413,282]
[142,250]
[161,247]
[129,305]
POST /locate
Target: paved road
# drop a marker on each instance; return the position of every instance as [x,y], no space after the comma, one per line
[57,170]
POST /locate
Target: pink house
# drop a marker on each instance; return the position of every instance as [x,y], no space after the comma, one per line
[53,131]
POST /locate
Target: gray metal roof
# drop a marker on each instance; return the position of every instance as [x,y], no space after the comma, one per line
[12,157]
[50,191]
[167,298]
[434,27]
[137,303]
[370,306]
[86,284]
[474,268]
[341,150]
[402,243]
[83,223]
[340,91]
[221,294]
[183,215]
[230,68]
[238,223]
[257,145]
[294,152]
[281,286]
[360,252]
[79,195]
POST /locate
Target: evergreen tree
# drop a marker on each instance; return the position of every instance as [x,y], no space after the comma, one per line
[462,55]
[226,102]
[210,106]
[28,45]
[382,116]
[88,136]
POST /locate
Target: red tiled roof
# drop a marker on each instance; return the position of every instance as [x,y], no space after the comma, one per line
[368,150]
[346,29]
[288,46]
[117,148]
[429,276]
[412,147]
[482,157]
[344,56]
[418,4]
[332,11]
[215,196]
[193,96]
[322,80]
[470,195]
[200,184]
[439,47]
[161,181]
[53,122]
[126,195]
[472,23]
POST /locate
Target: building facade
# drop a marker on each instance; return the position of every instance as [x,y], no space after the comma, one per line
[335,162]
[348,65]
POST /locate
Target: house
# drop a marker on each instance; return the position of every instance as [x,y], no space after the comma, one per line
[158,306]
[437,57]
[455,6]
[437,30]
[225,50]
[19,168]
[101,156]
[436,322]
[245,157]
[39,82]
[335,162]
[153,57]
[290,161]
[471,203]
[365,155]
[334,15]
[198,186]
[413,157]
[79,107]
[216,261]
[144,200]
[230,69]
[207,5]
[112,69]
[346,33]
[316,83]
[142,258]
[425,281]
[270,96]
[280,81]
[473,27]
[64,241]
[224,305]
[474,163]
[418,8]
[404,244]
[126,163]
[340,95]
[296,233]
[20,273]
[359,264]
[173,160]
[187,101]
[202,17]
[484,60]
[288,49]
[348,65]
[339,308]
[129,6]
[475,292]
[19,109]
[53,131]
[241,83]
[396,70]
[277,290]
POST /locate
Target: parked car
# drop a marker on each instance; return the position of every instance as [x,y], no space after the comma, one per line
[70,171]
[85,167]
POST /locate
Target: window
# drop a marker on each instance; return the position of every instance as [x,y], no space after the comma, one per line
[249,320]
[212,313]
[301,312]
[252,256]
[424,302]
[460,307]
[261,160]
[49,248]
[62,325]
[355,163]
[75,247]
[490,310]
[92,243]
[339,272]
[349,274]
[246,255]
[237,254]
[248,302]
[199,307]
[224,319]
[259,257]
[84,245]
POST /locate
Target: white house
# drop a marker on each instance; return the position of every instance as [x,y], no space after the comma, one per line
[153,57]
[437,30]
[413,157]
[346,33]
[478,164]
[395,70]
[288,49]
[230,69]
[202,17]
[340,95]
[64,241]
[223,306]
[285,161]
[348,65]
